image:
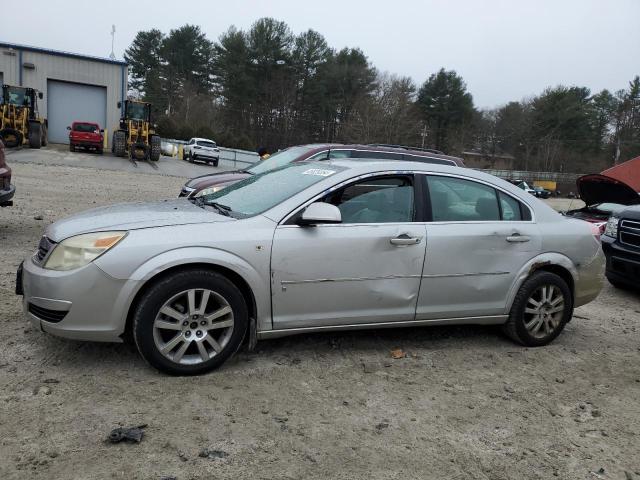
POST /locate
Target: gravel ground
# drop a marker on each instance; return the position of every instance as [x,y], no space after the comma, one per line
[464,403]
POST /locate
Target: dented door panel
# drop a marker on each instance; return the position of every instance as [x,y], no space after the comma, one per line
[470,267]
[345,274]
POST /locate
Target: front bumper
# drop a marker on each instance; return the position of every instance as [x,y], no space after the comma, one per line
[82,304]
[7,195]
[623,263]
[88,143]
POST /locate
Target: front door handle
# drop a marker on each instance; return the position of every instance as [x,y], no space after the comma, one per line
[405,239]
[517,238]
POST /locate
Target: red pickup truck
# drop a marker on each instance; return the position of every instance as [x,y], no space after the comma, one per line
[86,135]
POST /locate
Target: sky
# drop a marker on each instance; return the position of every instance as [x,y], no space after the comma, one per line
[504,49]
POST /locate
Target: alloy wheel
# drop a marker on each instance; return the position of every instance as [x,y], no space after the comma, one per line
[544,311]
[193,326]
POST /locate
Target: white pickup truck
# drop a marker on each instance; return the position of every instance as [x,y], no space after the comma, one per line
[202,149]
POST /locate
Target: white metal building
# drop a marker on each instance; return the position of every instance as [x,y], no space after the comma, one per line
[75,87]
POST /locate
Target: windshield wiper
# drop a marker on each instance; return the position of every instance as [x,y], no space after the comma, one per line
[222,209]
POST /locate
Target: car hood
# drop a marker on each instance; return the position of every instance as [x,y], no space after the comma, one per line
[217,179]
[596,188]
[132,216]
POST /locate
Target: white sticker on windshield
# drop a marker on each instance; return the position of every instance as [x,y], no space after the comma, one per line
[319,171]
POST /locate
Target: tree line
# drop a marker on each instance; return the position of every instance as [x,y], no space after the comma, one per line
[270,87]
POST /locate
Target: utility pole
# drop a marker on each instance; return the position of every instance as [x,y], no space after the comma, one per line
[112,56]
[423,134]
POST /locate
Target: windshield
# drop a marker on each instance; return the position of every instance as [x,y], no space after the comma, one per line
[259,193]
[16,96]
[137,111]
[278,160]
[203,143]
[85,127]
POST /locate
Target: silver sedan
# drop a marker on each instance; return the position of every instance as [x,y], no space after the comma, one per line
[311,247]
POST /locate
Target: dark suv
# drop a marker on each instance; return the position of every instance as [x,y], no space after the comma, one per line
[212,183]
[621,245]
[6,189]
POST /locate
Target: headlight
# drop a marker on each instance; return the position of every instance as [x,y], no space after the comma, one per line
[78,251]
[611,230]
[209,191]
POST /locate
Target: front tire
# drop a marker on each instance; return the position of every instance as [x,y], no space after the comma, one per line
[541,309]
[190,323]
[35,135]
[156,148]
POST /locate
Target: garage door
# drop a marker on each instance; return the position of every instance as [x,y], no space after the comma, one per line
[69,102]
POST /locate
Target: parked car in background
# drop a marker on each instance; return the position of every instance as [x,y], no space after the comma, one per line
[300,249]
[206,184]
[541,192]
[7,190]
[203,150]
[86,135]
[603,196]
[621,245]
[523,185]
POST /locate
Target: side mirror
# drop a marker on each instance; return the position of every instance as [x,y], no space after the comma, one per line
[68,128]
[40,96]
[320,213]
[102,130]
[119,104]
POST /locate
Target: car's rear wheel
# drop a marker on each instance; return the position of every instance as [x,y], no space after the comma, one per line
[190,322]
[541,309]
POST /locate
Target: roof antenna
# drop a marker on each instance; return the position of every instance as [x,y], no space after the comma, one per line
[112,55]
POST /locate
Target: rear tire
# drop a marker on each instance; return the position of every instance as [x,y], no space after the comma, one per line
[179,331]
[35,135]
[119,143]
[541,309]
[215,162]
[72,148]
[156,148]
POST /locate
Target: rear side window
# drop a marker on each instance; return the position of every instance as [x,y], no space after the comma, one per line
[85,127]
[203,143]
[512,209]
[459,200]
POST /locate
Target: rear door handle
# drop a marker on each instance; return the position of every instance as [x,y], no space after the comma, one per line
[405,239]
[517,238]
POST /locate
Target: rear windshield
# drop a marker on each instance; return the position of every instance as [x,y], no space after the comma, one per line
[85,127]
[204,143]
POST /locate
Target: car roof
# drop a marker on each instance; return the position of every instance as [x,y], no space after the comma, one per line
[203,139]
[318,147]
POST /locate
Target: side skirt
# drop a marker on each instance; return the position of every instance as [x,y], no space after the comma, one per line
[489,320]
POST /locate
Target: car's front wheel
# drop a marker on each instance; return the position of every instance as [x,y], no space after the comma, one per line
[190,322]
[541,309]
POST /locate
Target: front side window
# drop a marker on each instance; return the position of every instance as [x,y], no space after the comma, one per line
[376,200]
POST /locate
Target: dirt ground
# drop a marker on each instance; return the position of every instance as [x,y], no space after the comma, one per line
[465,403]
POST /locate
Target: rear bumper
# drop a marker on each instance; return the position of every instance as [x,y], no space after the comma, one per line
[623,263]
[205,154]
[6,196]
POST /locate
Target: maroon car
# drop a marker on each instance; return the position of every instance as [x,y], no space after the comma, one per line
[7,190]
[211,183]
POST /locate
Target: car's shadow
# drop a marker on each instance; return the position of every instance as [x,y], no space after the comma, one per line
[372,343]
